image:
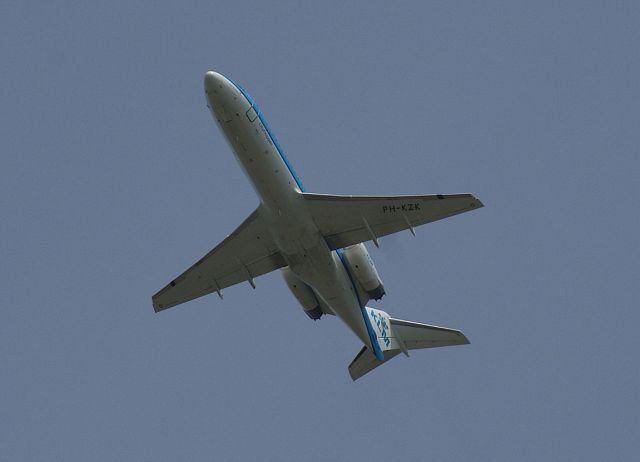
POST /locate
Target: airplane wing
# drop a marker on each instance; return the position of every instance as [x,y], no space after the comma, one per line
[246,253]
[348,220]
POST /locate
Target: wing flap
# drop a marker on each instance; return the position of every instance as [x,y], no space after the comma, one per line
[246,253]
[348,220]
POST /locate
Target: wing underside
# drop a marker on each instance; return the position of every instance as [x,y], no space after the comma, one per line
[249,251]
[348,220]
[246,253]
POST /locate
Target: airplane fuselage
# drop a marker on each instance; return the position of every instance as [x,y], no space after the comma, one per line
[281,204]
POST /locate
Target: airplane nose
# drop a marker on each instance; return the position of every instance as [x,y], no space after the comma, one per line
[211,80]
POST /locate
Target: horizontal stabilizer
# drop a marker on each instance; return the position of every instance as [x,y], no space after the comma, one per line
[366,361]
[395,336]
[416,335]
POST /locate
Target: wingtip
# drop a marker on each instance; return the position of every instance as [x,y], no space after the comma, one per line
[477,203]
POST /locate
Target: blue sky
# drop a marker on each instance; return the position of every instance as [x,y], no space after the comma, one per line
[115,178]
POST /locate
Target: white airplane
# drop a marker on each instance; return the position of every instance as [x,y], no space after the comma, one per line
[316,239]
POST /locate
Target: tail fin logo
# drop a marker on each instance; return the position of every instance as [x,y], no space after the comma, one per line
[382,325]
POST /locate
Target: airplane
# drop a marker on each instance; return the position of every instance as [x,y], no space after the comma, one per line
[317,240]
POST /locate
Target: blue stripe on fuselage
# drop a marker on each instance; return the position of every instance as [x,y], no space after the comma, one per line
[363,309]
[271,135]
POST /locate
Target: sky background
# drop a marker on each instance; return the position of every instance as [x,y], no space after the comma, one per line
[115,178]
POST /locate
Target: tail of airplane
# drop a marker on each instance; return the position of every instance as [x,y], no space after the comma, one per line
[396,336]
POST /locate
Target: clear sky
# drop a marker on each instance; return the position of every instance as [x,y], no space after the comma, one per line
[115,178]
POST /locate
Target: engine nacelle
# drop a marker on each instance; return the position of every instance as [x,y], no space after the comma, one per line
[364,270]
[303,293]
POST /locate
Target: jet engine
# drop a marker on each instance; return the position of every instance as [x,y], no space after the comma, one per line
[303,293]
[364,270]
